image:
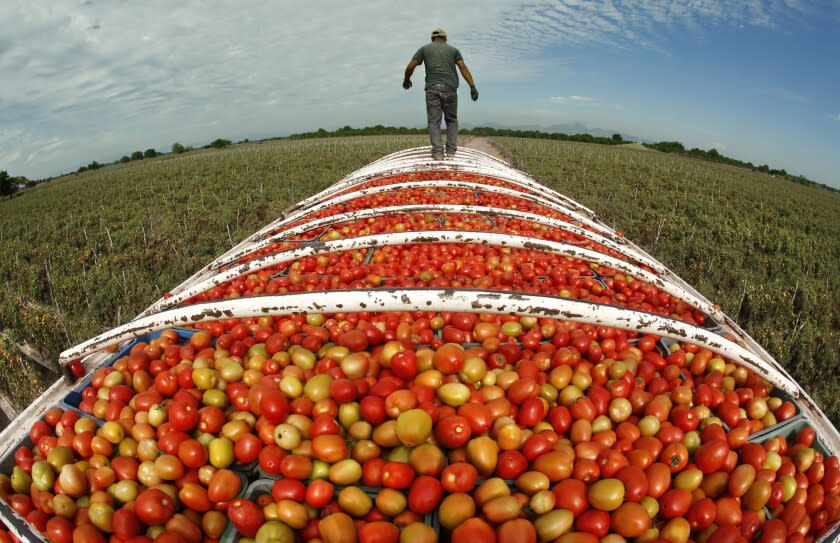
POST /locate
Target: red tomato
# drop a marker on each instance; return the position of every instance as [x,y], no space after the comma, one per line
[372,409]
[675,456]
[710,456]
[296,466]
[635,483]
[701,514]
[288,489]
[561,419]
[425,495]
[247,448]
[571,494]
[459,477]
[478,416]
[60,530]
[192,453]
[319,493]
[323,424]
[372,471]
[126,524]
[594,522]
[153,506]
[753,454]
[449,358]
[271,459]
[675,503]
[536,445]
[531,412]
[397,475]
[404,364]
[245,516]
[473,530]
[511,464]
[378,532]
[274,406]
[453,432]
[87,533]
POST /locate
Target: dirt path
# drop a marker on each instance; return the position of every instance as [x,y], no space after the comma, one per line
[485,145]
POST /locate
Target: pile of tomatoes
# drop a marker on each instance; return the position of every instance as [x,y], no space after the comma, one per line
[426,426]
[439,265]
[366,426]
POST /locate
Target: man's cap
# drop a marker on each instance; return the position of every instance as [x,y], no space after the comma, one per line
[438,33]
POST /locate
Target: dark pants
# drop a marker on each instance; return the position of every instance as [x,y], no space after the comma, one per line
[442,101]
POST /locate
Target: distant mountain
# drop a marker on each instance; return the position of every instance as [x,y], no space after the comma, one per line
[570,128]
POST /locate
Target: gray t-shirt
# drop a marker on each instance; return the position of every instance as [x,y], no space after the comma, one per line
[440,59]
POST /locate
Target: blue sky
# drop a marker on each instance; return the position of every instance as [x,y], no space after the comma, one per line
[86,80]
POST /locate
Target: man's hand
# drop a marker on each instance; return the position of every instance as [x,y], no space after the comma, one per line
[473,93]
[406,84]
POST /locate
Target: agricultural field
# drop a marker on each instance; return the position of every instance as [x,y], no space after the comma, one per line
[87,252]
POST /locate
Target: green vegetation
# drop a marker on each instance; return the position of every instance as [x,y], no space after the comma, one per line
[8,186]
[87,252]
[764,249]
[715,156]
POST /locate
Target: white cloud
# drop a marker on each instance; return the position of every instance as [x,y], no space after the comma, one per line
[107,78]
[836,117]
[573,100]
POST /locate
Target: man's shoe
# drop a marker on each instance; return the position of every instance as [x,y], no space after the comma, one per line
[437,157]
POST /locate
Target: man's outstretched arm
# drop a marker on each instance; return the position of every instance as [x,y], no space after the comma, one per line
[408,71]
[465,72]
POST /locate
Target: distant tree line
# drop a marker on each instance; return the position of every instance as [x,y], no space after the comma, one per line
[715,156]
[9,185]
[380,130]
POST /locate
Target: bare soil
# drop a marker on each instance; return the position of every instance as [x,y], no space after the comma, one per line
[485,145]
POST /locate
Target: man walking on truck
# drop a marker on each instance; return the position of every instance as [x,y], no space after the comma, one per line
[441,89]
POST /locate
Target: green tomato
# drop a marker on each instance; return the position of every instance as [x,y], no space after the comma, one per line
[20,481]
[60,456]
[274,531]
[43,476]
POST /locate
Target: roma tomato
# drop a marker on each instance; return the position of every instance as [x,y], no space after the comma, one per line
[425,495]
[453,431]
[630,520]
[397,475]
[473,530]
[675,503]
[594,522]
[245,516]
[459,477]
[224,486]
[153,507]
[711,455]
[571,494]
